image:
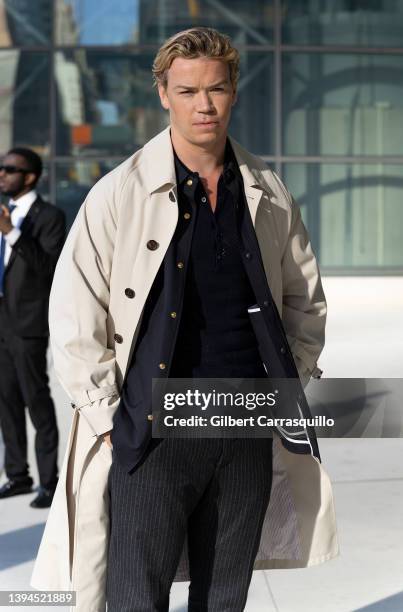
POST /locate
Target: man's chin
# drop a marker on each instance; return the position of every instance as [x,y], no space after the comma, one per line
[206,136]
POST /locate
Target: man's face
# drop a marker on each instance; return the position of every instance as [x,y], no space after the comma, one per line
[199,96]
[15,183]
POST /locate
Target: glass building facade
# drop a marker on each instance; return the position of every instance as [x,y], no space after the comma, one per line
[320,99]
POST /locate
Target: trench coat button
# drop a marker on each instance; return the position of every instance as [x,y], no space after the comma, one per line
[180,264]
[172,196]
[282,349]
[173,315]
[152,245]
[189,182]
[150,417]
[187,215]
[129,293]
[162,366]
[118,338]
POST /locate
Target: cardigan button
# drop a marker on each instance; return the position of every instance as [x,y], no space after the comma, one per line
[152,245]
[118,338]
[162,366]
[129,293]
[150,417]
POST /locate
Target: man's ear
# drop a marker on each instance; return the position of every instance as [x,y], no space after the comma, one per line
[30,179]
[163,96]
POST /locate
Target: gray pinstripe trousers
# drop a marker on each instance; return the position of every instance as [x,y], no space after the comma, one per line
[214,490]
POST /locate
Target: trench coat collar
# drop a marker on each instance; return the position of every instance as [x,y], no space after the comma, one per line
[160,165]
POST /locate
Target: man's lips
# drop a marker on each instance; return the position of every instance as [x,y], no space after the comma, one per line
[206,123]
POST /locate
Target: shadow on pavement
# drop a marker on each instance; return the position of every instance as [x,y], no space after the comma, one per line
[20,545]
[394,603]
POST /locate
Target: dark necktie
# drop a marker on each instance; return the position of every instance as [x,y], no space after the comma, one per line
[2,254]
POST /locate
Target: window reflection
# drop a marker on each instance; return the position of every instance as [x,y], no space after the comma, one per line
[24,103]
[342,104]
[25,22]
[354,213]
[103,22]
[107,104]
[343,22]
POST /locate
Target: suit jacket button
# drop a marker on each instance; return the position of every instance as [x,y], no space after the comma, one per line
[129,293]
[118,338]
[152,245]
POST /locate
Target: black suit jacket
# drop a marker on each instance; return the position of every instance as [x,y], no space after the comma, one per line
[29,272]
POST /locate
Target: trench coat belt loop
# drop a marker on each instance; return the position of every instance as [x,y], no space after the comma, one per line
[92,395]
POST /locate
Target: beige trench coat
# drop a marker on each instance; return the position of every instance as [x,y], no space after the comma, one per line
[104,254]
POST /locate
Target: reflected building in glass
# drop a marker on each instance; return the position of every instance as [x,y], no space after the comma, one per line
[320,98]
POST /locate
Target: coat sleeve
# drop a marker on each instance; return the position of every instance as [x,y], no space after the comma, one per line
[78,306]
[304,303]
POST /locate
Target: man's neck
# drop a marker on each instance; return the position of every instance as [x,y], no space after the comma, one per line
[204,160]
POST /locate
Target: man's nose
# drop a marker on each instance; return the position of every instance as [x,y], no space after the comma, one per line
[204,102]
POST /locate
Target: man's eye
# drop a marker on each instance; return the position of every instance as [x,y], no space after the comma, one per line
[185,92]
[218,89]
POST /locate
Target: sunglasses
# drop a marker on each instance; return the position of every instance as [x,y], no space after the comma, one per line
[13,169]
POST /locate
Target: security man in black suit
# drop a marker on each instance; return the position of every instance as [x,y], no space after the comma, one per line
[32,234]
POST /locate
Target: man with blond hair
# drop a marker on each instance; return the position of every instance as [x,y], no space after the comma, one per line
[166,257]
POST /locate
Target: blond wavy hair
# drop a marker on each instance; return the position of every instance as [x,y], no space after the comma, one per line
[193,43]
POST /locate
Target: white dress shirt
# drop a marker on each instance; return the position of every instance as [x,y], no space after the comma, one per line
[23,204]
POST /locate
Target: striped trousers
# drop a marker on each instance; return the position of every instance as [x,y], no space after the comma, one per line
[215,492]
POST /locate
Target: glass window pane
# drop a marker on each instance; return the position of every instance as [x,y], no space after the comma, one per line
[354,213]
[106,102]
[107,105]
[25,22]
[74,180]
[343,22]
[252,121]
[342,104]
[103,22]
[24,104]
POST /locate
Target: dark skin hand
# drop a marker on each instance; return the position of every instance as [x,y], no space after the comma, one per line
[5,220]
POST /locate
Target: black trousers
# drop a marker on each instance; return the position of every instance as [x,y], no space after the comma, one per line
[24,382]
[214,490]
